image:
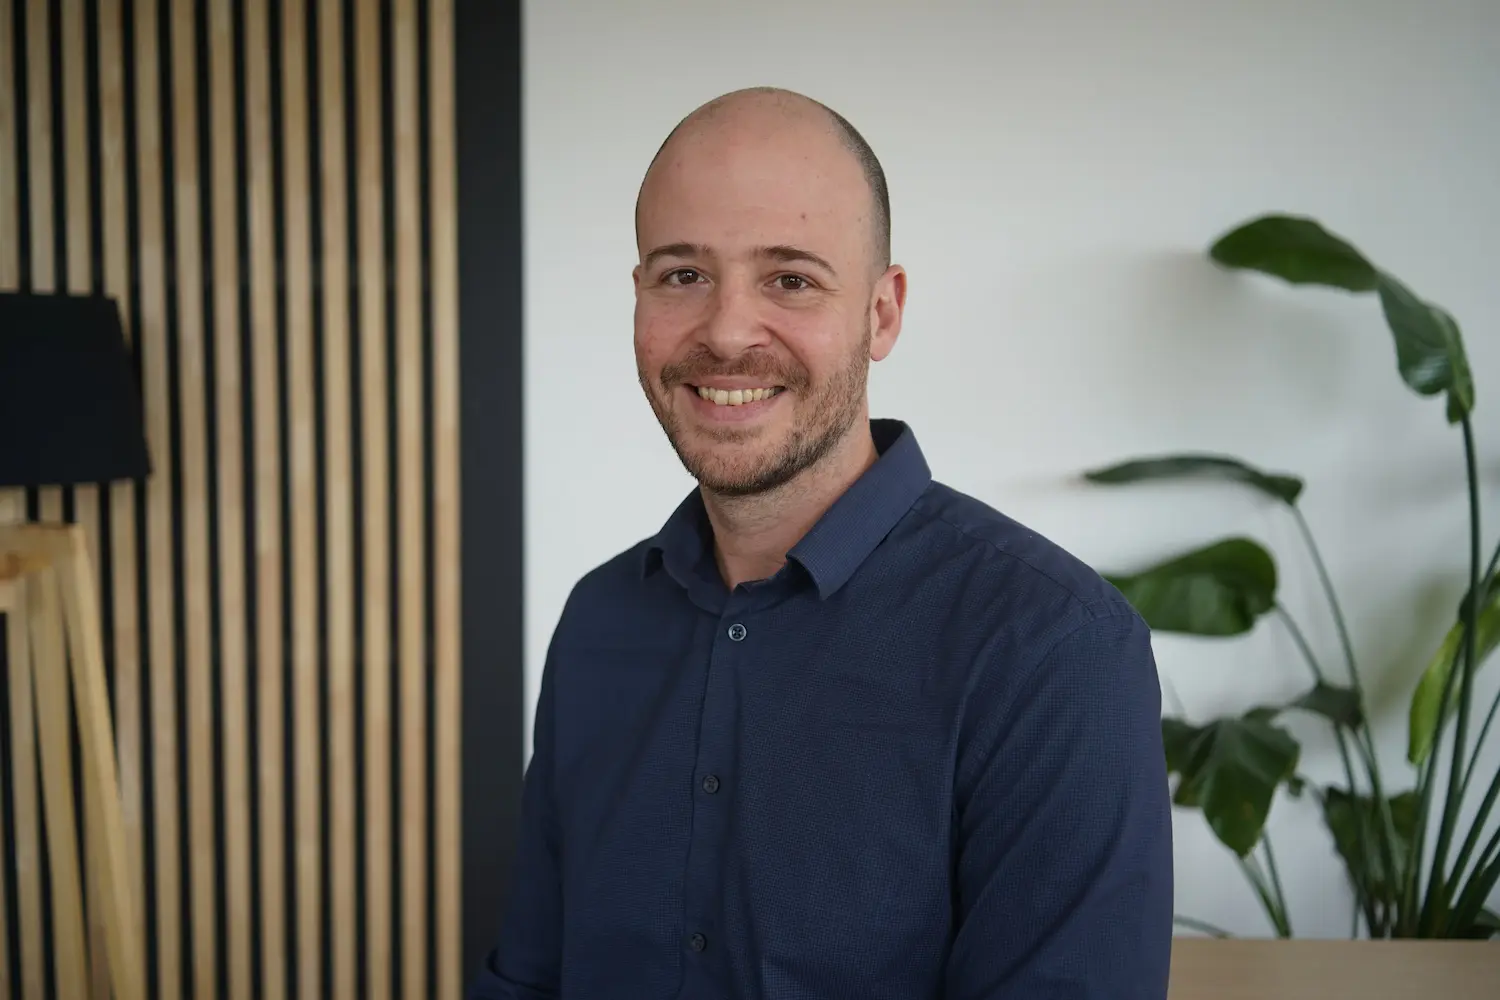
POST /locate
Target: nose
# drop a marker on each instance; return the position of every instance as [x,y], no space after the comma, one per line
[734,323]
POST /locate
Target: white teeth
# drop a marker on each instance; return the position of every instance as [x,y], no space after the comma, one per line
[736,397]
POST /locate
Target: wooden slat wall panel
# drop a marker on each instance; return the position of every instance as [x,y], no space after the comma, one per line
[252,183]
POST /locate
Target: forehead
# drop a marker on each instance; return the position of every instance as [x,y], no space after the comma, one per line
[754,185]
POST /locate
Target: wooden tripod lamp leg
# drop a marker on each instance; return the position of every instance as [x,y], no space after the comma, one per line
[101,783]
[27,819]
[50,681]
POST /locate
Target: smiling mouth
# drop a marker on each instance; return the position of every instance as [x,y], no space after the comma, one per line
[736,397]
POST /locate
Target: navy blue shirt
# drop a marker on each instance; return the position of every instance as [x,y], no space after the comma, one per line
[922,760]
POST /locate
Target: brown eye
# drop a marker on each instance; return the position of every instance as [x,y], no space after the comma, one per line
[792,282]
[687,274]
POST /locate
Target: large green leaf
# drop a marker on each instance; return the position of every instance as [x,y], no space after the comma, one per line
[1281,487]
[1230,769]
[1295,249]
[1429,347]
[1425,701]
[1217,590]
[1339,705]
[1344,814]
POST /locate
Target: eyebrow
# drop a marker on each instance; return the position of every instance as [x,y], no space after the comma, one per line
[782,252]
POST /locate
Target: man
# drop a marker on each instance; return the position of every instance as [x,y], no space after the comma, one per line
[837,730]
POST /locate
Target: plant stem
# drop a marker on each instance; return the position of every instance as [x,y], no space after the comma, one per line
[1362,895]
[1439,882]
[1407,917]
[1286,918]
[1257,879]
[1371,760]
[1333,601]
[1486,874]
[1475,832]
[1192,923]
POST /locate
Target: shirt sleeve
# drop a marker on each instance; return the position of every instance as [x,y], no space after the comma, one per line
[1064,835]
[525,962]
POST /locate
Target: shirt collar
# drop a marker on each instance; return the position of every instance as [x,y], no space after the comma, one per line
[841,539]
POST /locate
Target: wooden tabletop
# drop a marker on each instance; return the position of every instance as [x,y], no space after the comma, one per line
[1208,969]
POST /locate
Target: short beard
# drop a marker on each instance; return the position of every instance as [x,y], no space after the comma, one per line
[837,406]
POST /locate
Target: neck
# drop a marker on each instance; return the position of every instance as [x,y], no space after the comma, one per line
[753,534]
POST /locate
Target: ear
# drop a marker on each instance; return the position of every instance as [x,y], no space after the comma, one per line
[887,302]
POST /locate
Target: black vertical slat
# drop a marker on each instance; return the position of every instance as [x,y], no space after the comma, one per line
[60,274]
[356,473]
[250,390]
[393,472]
[488,95]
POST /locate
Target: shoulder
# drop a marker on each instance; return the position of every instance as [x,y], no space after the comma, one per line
[1014,568]
[607,597]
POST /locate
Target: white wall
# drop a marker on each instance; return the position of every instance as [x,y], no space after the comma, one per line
[1056,171]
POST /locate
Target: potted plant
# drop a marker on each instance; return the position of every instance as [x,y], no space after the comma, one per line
[1415,870]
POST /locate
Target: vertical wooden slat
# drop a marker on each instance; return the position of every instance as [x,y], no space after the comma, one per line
[375,540]
[126,633]
[77,165]
[409,506]
[233,635]
[268,555]
[303,469]
[39,137]
[193,460]
[162,663]
[50,678]
[447,708]
[339,507]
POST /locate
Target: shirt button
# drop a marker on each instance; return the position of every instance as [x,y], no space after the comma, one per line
[711,784]
[736,631]
[697,942]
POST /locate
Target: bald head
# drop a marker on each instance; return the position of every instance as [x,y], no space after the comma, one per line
[742,114]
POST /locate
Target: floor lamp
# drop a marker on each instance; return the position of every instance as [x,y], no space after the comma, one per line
[70,414]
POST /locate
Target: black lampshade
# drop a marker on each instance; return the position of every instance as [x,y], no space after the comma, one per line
[70,408]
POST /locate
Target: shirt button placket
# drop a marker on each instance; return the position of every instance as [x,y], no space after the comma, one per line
[716,754]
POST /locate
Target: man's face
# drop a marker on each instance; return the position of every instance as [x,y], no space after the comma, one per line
[754,323]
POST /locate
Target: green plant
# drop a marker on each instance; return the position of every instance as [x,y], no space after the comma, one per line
[1230,768]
